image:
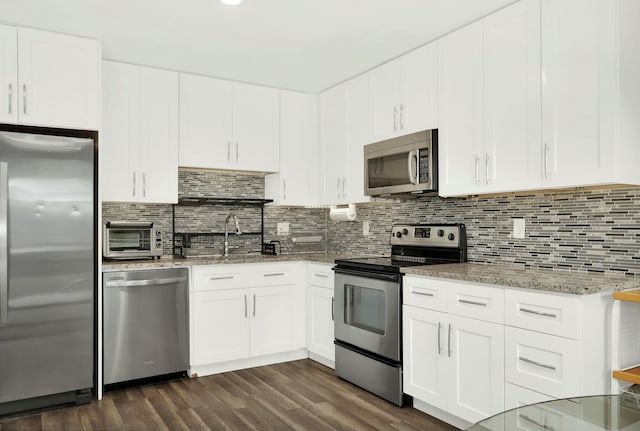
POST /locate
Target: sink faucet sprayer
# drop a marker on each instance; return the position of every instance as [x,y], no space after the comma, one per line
[226,231]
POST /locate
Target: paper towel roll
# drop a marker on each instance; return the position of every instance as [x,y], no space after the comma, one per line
[343,214]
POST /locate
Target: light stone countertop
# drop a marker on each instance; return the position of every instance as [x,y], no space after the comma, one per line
[551,280]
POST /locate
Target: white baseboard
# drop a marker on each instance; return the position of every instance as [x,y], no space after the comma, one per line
[321,359]
[240,364]
[440,414]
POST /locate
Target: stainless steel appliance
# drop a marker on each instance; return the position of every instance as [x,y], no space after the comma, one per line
[145,323]
[368,305]
[131,240]
[47,267]
[402,165]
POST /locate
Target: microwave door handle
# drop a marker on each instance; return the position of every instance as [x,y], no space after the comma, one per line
[413,177]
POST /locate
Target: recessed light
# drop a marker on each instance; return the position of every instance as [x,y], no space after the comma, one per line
[231,2]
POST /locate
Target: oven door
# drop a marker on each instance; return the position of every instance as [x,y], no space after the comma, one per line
[368,311]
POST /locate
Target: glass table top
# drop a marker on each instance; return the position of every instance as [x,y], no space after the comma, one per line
[594,413]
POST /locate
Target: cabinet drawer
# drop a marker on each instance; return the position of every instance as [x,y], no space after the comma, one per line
[517,396]
[543,312]
[218,277]
[476,301]
[272,275]
[425,292]
[541,362]
[320,275]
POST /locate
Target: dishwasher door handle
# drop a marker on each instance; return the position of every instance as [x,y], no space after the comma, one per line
[140,283]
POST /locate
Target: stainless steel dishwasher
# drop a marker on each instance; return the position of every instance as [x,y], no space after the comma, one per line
[145,323]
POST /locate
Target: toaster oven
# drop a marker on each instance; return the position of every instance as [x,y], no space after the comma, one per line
[130,240]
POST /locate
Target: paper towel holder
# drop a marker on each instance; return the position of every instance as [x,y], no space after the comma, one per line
[342,214]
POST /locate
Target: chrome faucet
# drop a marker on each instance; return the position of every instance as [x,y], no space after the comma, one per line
[226,231]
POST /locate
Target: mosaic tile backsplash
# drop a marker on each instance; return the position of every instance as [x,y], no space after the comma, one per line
[586,230]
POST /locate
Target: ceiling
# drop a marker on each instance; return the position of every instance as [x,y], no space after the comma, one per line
[306,45]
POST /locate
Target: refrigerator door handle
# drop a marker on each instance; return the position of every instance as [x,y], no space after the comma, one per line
[4,267]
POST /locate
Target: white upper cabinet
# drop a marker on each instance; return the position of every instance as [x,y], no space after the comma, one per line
[404,94]
[333,133]
[590,92]
[58,84]
[489,135]
[296,183]
[358,135]
[139,138]
[228,125]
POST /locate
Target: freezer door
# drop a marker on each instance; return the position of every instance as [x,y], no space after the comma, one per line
[46,265]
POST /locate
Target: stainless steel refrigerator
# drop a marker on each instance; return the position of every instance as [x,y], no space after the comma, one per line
[47,268]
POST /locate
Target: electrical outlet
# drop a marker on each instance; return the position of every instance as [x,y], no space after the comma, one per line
[282,228]
[365,228]
[518,228]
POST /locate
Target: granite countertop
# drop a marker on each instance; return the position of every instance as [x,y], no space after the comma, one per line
[554,280]
[551,280]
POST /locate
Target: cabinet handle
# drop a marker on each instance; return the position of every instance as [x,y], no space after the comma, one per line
[344,193]
[395,114]
[439,347]
[546,160]
[144,185]
[535,422]
[226,277]
[134,183]
[415,292]
[321,275]
[228,152]
[401,117]
[237,152]
[538,313]
[10,98]
[274,274]
[245,306]
[333,300]
[24,99]
[338,189]
[466,301]
[477,169]
[486,167]
[254,305]
[449,342]
[536,363]
[284,190]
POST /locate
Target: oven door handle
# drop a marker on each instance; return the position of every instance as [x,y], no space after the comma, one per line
[366,274]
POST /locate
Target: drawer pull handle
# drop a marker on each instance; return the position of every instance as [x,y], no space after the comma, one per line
[321,275]
[423,293]
[466,301]
[535,422]
[226,277]
[274,274]
[538,313]
[539,364]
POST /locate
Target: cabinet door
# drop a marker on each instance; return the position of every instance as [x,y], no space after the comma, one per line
[158,157]
[512,125]
[119,135]
[419,105]
[475,370]
[256,128]
[460,110]
[296,183]
[386,89]
[271,319]
[578,62]
[8,74]
[320,315]
[59,82]
[358,135]
[220,326]
[425,355]
[206,122]
[333,128]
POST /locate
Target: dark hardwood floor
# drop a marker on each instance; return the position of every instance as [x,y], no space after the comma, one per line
[300,395]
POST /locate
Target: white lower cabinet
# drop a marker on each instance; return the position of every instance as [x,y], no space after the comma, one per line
[320,313]
[271,320]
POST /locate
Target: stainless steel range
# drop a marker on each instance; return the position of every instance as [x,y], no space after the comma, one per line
[368,295]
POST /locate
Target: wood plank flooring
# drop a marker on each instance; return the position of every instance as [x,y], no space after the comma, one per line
[301,395]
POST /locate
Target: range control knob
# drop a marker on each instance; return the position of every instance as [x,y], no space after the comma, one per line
[451,237]
[405,231]
[399,234]
[440,232]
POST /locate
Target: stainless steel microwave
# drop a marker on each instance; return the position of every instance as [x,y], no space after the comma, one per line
[129,240]
[406,164]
